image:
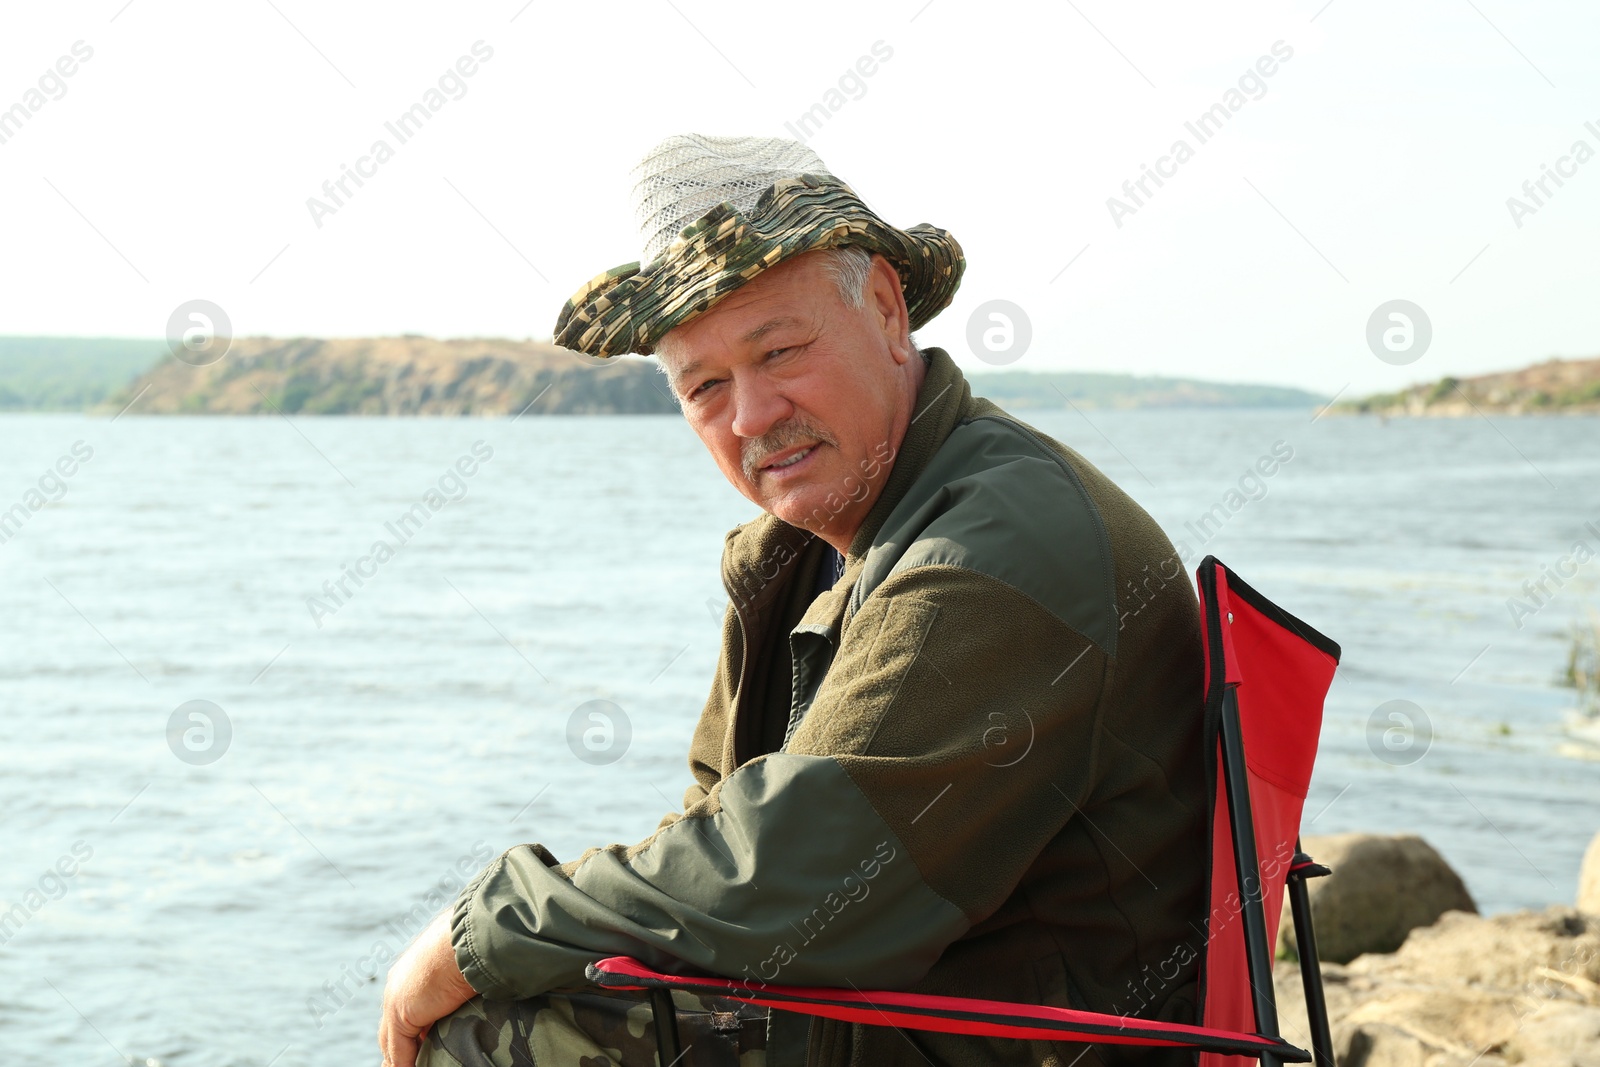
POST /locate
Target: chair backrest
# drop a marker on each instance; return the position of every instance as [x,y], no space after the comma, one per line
[1269,672]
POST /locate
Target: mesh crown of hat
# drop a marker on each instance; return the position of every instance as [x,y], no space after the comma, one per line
[687,175]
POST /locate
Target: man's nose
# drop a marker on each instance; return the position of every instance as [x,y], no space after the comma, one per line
[758,405]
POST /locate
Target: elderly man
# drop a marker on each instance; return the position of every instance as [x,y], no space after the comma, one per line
[952,744]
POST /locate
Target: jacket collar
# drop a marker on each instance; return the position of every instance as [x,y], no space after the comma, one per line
[942,402]
[759,556]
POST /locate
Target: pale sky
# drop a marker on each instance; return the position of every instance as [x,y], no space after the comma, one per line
[1373,164]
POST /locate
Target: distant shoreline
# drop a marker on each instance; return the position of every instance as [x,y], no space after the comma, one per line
[414,375]
[1554,387]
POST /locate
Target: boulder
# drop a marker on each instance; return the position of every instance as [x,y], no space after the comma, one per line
[1519,989]
[1589,879]
[1382,887]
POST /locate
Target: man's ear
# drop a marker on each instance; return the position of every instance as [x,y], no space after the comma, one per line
[886,300]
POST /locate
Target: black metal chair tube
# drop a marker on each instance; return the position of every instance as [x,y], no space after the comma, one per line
[1310,968]
[1247,869]
[666,1018]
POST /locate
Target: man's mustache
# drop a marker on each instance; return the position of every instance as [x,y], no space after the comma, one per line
[794,432]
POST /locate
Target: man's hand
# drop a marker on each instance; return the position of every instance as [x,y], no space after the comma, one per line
[424,986]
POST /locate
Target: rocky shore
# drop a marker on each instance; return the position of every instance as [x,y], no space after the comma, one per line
[1556,386]
[1458,989]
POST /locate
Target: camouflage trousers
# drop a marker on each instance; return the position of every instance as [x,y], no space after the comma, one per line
[594,1028]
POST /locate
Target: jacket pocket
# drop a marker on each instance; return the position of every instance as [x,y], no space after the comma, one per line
[811,652]
[858,685]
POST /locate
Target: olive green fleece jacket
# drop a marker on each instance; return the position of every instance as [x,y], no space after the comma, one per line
[989,782]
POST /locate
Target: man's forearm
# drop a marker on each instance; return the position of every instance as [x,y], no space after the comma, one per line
[794,879]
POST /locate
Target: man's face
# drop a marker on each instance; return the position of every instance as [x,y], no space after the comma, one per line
[801,399]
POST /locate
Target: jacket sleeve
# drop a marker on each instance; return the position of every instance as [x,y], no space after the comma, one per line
[950,740]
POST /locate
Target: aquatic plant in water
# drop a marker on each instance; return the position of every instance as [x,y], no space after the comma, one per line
[1583,664]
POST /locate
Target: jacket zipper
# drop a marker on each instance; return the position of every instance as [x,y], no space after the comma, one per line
[735,721]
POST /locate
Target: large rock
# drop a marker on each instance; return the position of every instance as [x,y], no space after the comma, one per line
[1380,890]
[1517,989]
[1589,879]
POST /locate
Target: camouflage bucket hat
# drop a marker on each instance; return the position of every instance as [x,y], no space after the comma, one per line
[716,212]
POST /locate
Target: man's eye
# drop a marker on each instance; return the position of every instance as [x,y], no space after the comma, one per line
[695,392]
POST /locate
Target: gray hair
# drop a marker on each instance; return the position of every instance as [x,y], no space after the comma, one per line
[850,266]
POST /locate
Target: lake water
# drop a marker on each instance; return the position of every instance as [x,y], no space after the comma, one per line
[220,913]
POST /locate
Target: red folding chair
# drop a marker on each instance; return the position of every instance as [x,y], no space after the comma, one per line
[1266,676]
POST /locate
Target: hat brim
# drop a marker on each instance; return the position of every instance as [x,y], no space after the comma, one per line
[629,308]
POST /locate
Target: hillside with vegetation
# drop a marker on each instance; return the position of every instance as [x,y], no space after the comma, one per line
[70,373]
[1023,390]
[1556,386]
[407,375]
